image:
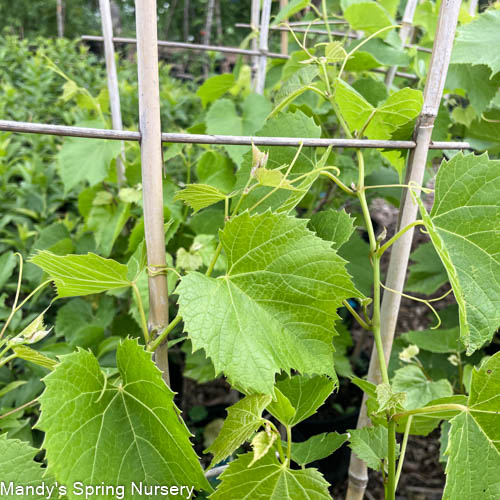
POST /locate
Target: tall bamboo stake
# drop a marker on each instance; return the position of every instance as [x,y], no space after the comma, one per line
[400,253]
[404,34]
[254,24]
[265,17]
[114,92]
[151,166]
[60,18]
[284,34]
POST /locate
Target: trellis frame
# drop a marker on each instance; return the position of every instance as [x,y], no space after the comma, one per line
[151,139]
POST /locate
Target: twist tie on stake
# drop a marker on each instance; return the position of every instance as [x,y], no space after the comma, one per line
[157,270]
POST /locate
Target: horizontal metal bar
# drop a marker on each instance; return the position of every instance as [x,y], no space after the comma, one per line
[314,23]
[324,32]
[124,135]
[219,48]
[190,46]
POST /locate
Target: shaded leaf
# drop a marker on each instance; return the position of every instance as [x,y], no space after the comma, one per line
[333,225]
[317,447]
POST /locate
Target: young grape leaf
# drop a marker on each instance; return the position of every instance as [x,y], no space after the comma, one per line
[477,41]
[28,354]
[464,228]
[368,17]
[269,479]
[243,419]
[370,445]
[305,394]
[215,87]
[418,388]
[262,443]
[274,309]
[76,275]
[317,447]
[17,467]
[474,439]
[281,408]
[115,433]
[216,170]
[199,196]
[289,10]
[333,225]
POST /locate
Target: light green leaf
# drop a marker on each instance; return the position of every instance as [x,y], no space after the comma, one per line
[333,225]
[418,388]
[368,17]
[370,445]
[296,85]
[76,275]
[388,399]
[268,479]
[464,226]
[427,274]
[216,170]
[28,354]
[289,10]
[335,52]
[374,91]
[354,107]
[248,315]
[215,87]
[281,408]
[18,467]
[478,40]
[474,439]
[305,394]
[262,443]
[375,53]
[199,196]
[119,433]
[243,419]
[317,447]
[273,178]
[441,341]
[85,160]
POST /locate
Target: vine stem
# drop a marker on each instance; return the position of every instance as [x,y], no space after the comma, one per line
[152,346]
[140,306]
[403,451]
[325,18]
[429,410]
[398,235]
[289,442]
[391,474]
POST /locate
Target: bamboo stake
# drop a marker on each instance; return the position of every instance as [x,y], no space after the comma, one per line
[236,140]
[284,34]
[400,253]
[265,17]
[114,92]
[60,18]
[473,7]
[218,48]
[404,34]
[208,32]
[151,166]
[254,25]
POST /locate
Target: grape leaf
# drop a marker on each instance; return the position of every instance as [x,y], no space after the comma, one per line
[281,408]
[28,354]
[474,439]
[369,444]
[85,160]
[441,341]
[464,228]
[289,10]
[368,17]
[215,87]
[418,388]
[82,274]
[18,467]
[333,225]
[262,443]
[268,479]
[199,196]
[356,251]
[217,170]
[243,419]
[276,306]
[305,394]
[116,434]
[427,274]
[317,447]
[478,40]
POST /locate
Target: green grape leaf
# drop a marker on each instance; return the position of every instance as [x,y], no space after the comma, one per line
[317,447]
[273,178]
[368,17]
[288,124]
[354,107]
[199,196]
[289,10]
[247,314]
[464,228]
[370,445]
[76,275]
[444,341]
[116,433]
[269,479]
[88,160]
[281,408]
[305,394]
[474,439]
[478,40]
[375,53]
[374,91]
[262,443]
[243,419]
[333,225]
[427,274]
[216,170]
[215,87]
[418,388]
[297,84]
[388,399]
[18,468]
[335,52]
[356,252]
